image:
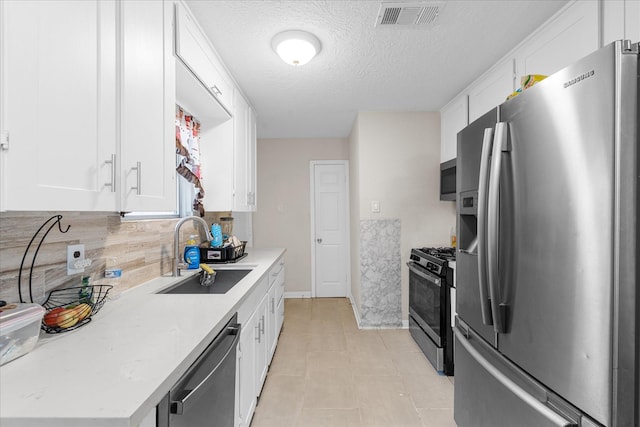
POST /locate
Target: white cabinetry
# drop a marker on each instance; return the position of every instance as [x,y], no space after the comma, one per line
[453,117]
[567,37]
[276,306]
[570,36]
[246,362]
[193,48]
[262,364]
[216,158]
[261,322]
[58,85]
[492,89]
[244,155]
[621,20]
[73,139]
[148,107]
[228,147]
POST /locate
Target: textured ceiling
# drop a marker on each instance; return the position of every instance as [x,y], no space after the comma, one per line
[361,67]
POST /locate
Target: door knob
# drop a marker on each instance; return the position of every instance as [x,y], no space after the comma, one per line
[319,240]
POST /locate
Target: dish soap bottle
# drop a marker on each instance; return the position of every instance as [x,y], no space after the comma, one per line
[192,253]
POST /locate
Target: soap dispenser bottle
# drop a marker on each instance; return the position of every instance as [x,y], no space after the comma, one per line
[192,253]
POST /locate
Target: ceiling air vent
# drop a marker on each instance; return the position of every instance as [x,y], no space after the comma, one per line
[410,14]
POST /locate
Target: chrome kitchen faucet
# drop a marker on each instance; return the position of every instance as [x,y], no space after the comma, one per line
[177,265]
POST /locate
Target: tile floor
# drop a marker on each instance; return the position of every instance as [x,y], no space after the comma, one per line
[326,372]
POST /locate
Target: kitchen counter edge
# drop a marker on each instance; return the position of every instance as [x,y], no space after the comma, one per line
[115,370]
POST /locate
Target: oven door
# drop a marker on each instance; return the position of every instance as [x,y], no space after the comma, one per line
[425,296]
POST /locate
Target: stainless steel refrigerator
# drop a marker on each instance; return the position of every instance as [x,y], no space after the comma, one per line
[547,300]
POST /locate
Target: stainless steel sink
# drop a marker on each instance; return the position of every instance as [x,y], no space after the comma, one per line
[224,281]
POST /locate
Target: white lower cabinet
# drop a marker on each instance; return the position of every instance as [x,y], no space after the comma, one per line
[246,368]
[272,325]
[276,295]
[262,364]
[261,318]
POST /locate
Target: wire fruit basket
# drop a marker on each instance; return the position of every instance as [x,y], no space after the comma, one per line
[71,308]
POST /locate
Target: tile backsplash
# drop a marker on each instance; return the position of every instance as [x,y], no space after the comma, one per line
[143,249]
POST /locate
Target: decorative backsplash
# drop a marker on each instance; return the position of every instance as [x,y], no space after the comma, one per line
[143,249]
[380,273]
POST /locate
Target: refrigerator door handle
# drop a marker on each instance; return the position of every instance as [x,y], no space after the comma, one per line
[554,418]
[493,224]
[485,302]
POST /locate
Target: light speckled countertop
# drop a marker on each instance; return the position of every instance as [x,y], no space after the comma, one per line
[114,370]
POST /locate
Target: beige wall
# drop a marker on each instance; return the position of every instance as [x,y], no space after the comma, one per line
[396,157]
[283,215]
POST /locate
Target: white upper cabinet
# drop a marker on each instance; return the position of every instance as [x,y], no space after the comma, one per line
[244,155]
[492,89]
[228,147]
[453,117]
[570,36]
[148,107]
[89,121]
[194,50]
[621,20]
[58,112]
[217,166]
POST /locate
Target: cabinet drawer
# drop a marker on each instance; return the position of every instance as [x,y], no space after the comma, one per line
[279,285]
[275,270]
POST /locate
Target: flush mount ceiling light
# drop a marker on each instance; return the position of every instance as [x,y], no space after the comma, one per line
[296,47]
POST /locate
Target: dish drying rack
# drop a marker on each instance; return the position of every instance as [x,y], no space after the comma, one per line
[67,309]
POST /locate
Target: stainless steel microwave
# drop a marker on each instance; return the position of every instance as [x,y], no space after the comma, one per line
[448,180]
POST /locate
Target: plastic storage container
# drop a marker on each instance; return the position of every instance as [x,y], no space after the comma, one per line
[226,223]
[19,330]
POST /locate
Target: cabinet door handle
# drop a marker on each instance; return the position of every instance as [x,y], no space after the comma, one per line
[319,240]
[112,162]
[138,169]
[215,90]
[258,333]
[262,325]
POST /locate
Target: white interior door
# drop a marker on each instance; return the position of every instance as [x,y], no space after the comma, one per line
[329,228]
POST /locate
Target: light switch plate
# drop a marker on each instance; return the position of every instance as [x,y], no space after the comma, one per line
[375,206]
[75,254]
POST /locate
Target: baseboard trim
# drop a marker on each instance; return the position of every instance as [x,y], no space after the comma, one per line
[297,294]
[354,307]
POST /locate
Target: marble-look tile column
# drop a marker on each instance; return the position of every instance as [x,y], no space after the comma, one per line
[380,273]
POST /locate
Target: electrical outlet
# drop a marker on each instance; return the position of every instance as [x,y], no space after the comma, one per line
[75,259]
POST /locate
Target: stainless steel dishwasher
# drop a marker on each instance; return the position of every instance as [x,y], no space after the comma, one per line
[205,395]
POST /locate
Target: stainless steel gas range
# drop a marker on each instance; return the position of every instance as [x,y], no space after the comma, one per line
[430,304]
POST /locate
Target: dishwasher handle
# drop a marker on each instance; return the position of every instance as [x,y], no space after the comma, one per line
[181,405]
